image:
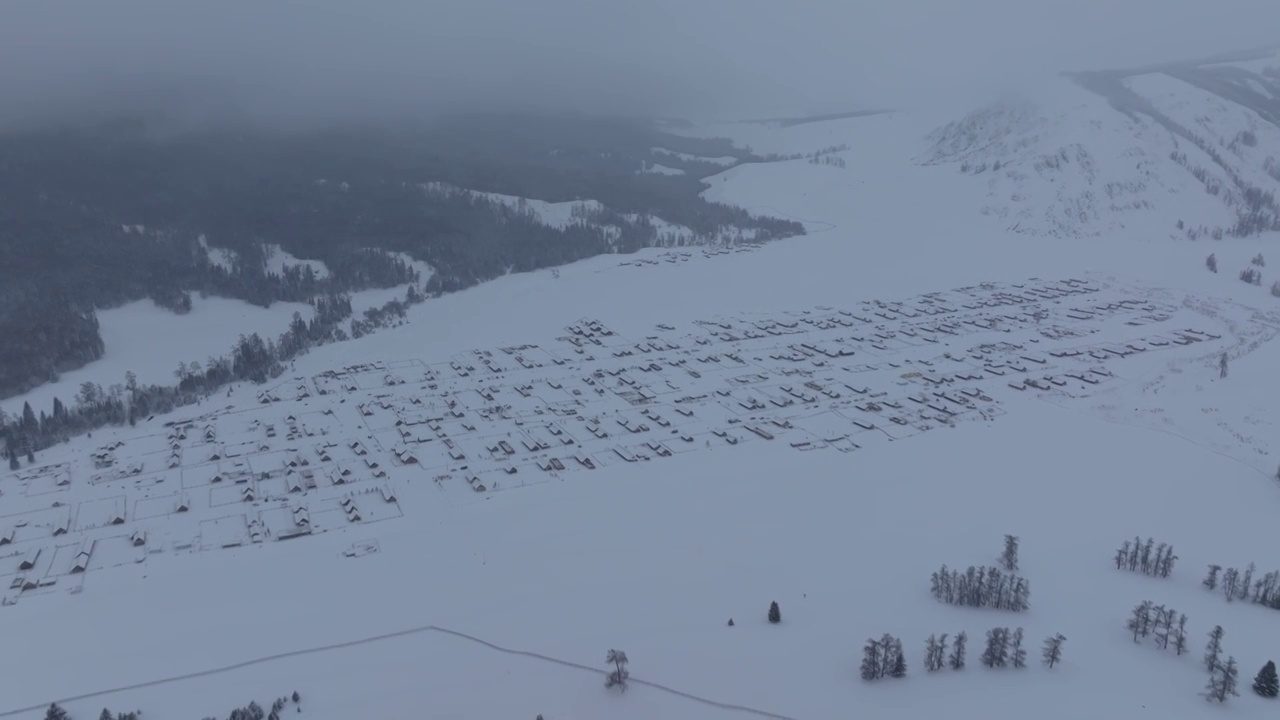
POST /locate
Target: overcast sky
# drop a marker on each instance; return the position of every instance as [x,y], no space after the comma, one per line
[319,59]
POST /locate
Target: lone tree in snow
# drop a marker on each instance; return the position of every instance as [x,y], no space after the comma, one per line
[618,676]
[775,614]
[55,712]
[1222,682]
[1211,262]
[1052,652]
[1222,366]
[1267,683]
[1213,651]
[957,652]
[1009,559]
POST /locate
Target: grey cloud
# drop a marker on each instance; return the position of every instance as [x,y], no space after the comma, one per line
[323,59]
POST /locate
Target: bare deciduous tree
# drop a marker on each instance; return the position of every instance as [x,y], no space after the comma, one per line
[619,675]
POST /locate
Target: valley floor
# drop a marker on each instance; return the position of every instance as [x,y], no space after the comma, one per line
[653,557]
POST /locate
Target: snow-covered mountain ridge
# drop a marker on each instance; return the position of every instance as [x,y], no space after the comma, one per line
[1181,151]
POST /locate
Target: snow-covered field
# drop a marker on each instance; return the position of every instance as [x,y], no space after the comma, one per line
[278,259]
[724,161]
[820,422]
[660,169]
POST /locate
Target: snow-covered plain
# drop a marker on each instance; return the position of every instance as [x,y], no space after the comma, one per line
[654,555]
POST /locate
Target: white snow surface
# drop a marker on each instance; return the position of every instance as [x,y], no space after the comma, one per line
[660,169]
[551,214]
[222,257]
[654,556]
[725,160]
[278,259]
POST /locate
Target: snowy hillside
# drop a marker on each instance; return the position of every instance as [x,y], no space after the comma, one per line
[460,515]
[1182,151]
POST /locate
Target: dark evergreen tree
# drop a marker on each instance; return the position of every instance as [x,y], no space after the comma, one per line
[1162,625]
[1052,652]
[1230,583]
[1180,635]
[1122,556]
[889,649]
[1213,651]
[1017,654]
[1246,582]
[106,715]
[1009,559]
[930,651]
[996,653]
[1222,682]
[958,650]
[935,655]
[871,662]
[55,712]
[1267,683]
[899,669]
[775,614]
[1166,565]
[1140,620]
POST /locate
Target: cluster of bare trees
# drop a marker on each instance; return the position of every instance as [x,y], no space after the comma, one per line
[935,652]
[982,587]
[1146,558]
[883,658]
[1237,585]
[1165,624]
